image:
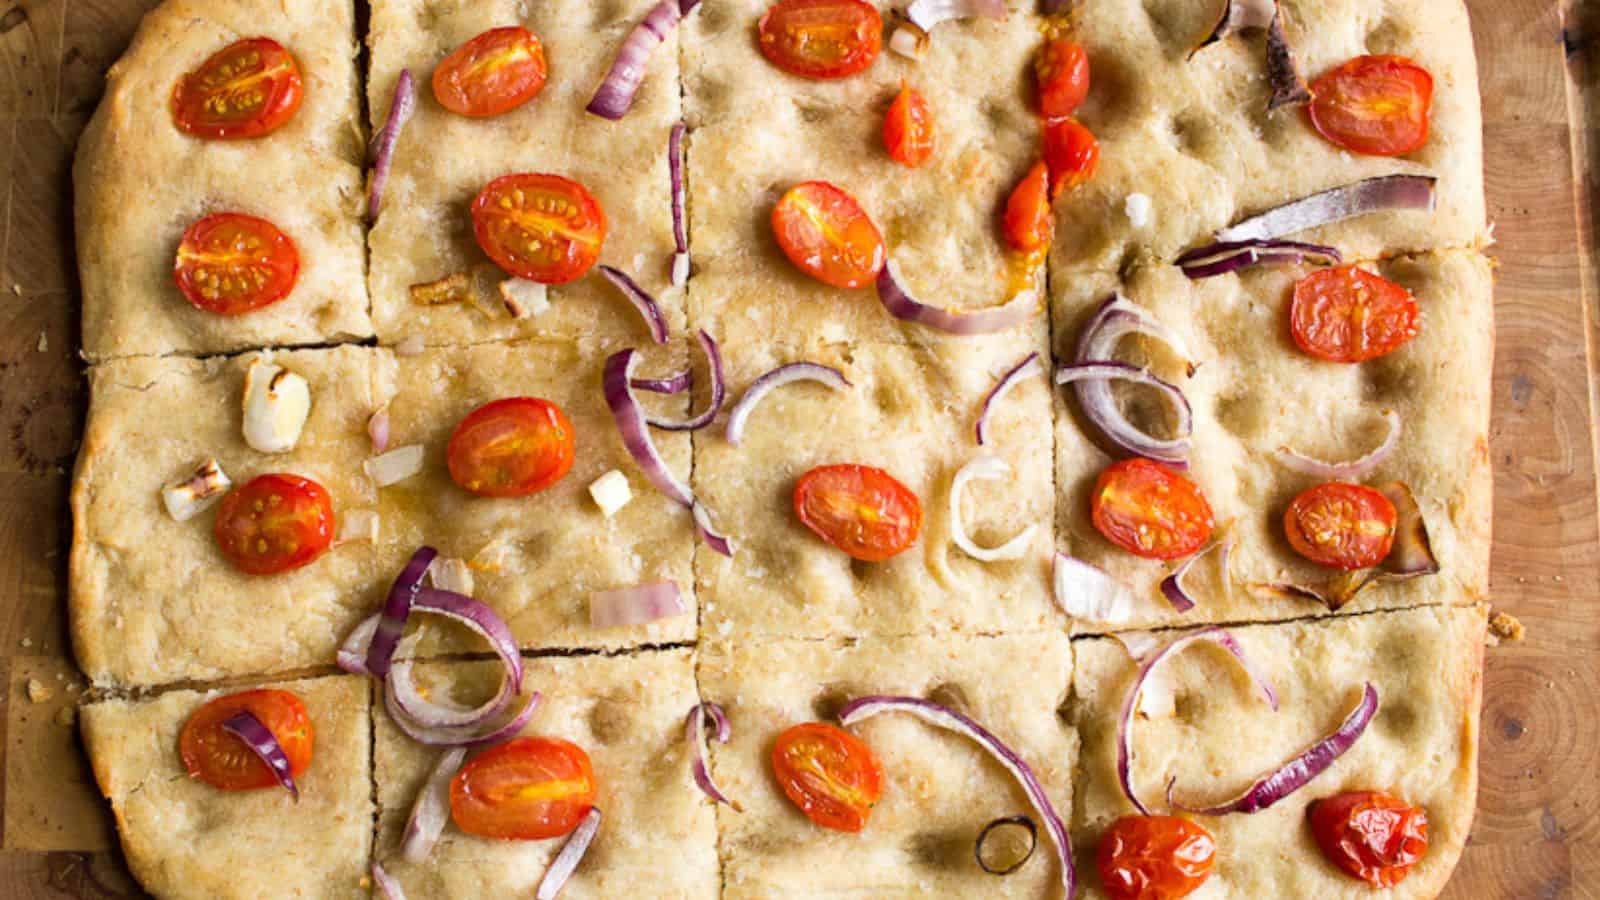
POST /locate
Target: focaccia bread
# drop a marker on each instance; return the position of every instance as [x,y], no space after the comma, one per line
[139,182]
[184,839]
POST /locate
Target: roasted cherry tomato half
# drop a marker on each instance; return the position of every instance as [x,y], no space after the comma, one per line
[511,448]
[1345,526]
[827,235]
[1351,315]
[247,89]
[1154,858]
[1063,71]
[1370,835]
[231,263]
[1071,153]
[527,789]
[222,760]
[544,228]
[1028,223]
[831,774]
[821,38]
[908,128]
[861,510]
[275,523]
[495,72]
[1377,105]
[1150,510]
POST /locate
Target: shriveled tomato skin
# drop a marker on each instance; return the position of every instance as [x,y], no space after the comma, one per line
[275,523]
[544,228]
[527,789]
[495,72]
[1062,68]
[861,510]
[1374,105]
[1150,510]
[511,447]
[821,39]
[1028,224]
[224,761]
[1370,835]
[1154,858]
[1342,526]
[231,264]
[1350,315]
[908,132]
[829,773]
[248,89]
[1071,152]
[827,235]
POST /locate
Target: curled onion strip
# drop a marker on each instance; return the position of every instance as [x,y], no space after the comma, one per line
[695,734]
[566,862]
[402,594]
[431,810]
[264,744]
[984,468]
[672,384]
[1117,318]
[1385,192]
[1029,367]
[902,305]
[647,306]
[461,736]
[1172,586]
[1354,470]
[400,110]
[616,92]
[1222,257]
[719,392]
[680,225]
[764,385]
[716,540]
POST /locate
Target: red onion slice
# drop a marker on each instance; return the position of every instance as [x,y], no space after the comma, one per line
[1384,192]
[1297,772]
[1117,318]
[716,540]
[386,884]
[695,734]
[719,392]
[1119,371]
[461,735]
[636,605]
[764,385]
[1355,469]
[378,430]
[1028,368]
[1087,593]
[352,655]
[635,431]
[984,468]
[1288,88]
[615,95]
[431,810]
[1130,701]
[680,223]
[672,384]
[400,110]
[402,594]
[566,862]
[264,744]
[647,306]
[943,717]
[901,305]
[1237,16]
[1222,257]
[1172,586]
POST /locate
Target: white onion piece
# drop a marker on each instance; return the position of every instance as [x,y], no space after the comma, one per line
[902,305]
[1353,470]
[358,525]
[926,14]
[431,810]
[394,466]
[1030,367]
[1085,592]
[391,889]
[764,385]
[1385,192]
[447,573]
[636,605]
[984,468]
[566,862]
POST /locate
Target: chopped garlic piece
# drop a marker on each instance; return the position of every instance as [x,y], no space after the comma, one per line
[395,466]
[524,298]
[203,487]
[359,525]
[450,574]
[680,269]
[492,557]
[611,492]
[909,41]
[1137,207]
[276,405]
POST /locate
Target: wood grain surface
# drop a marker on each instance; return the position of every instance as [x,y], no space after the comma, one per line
[1537,833]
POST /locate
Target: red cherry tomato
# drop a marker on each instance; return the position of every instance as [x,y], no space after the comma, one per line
[495,72]
[222,760]
[1150,510]
[544,228]
[1028,224]
[275,523]
[1345,526]
[230,263]
[1154,858]
[1377,105]
[247,89]
[829,773]
[1370,835]
[861,510]
[1063,71]
[821,38]
[1071,153]
[511,448]
[1351,315]
[908,128]
[827,235]
[528,789]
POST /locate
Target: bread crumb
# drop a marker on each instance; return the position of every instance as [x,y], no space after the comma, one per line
[44,342]
[1137,206]
[26,642]
[1503,626]
[37,692]
[66,715]
[16,289]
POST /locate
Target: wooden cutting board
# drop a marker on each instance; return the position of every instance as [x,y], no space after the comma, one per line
[1538,828]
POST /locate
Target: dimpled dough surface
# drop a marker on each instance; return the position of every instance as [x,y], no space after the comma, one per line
[1255,391]
[940,788]
[139,182]
[153,600]
[657,836]
[443,160]
[186,839]
[911,413]
[1426,665]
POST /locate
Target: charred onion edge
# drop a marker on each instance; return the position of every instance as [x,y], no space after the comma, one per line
[1288,88]
[1237,16]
